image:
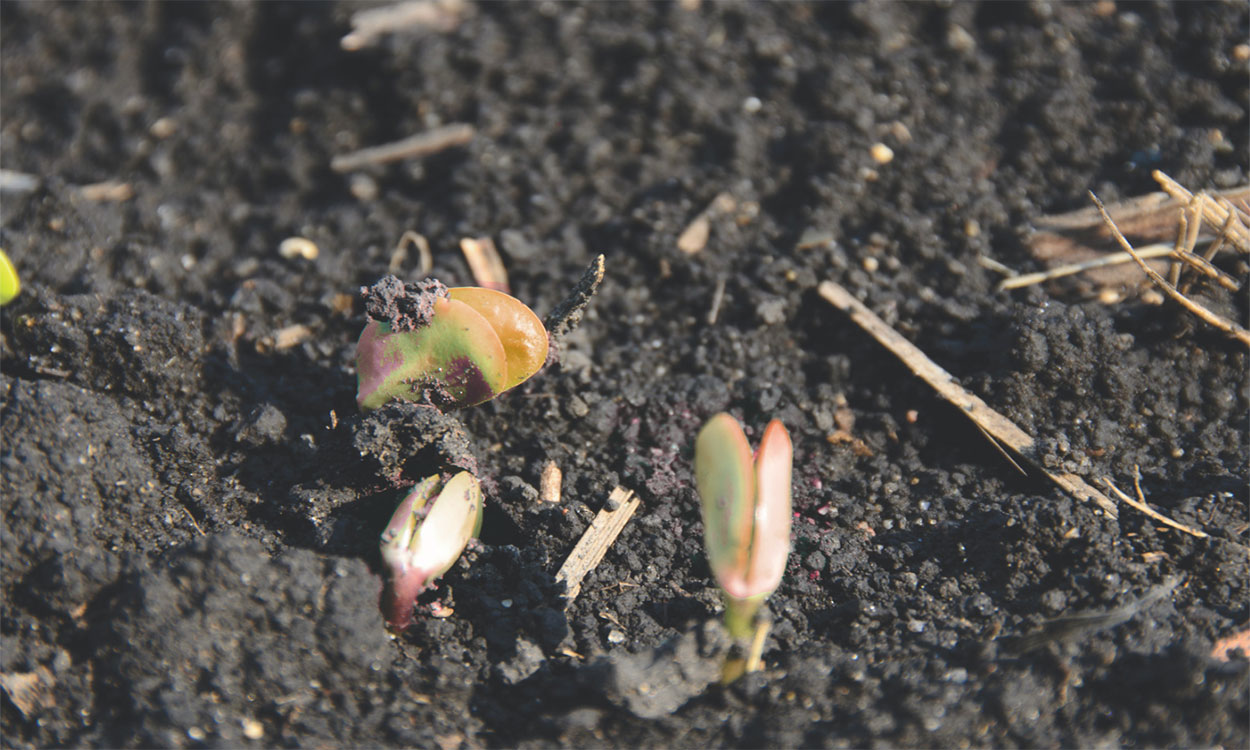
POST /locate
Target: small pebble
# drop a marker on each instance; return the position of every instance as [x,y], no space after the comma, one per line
[576,407]
[163,128]
[881,153]
[616,636]
[363,187]
[772,310]
[958,39]
[253,729]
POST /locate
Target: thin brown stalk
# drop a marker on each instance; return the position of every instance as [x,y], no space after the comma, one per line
[1228,327]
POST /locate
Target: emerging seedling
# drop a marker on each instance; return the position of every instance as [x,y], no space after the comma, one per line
[425,537]
[9,284]
[746,518]
[448,347]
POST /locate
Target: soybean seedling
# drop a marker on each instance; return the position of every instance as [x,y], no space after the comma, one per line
[746,523]
[9,284]
[447,347]
[425,537]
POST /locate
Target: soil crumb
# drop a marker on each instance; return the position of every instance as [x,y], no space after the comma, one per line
[406,307]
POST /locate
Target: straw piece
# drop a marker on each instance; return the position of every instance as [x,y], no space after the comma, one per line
[1028,279]
[485,264]
[1228,327]
[412,147]
[549,486]
[1215,211]
[370,24]
[694,237]
[1156,515]
[603,531]
[997,426]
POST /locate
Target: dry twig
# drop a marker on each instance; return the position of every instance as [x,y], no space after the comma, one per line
[995,425]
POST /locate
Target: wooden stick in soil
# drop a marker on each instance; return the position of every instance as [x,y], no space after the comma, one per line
[997,426]
[1228,327]
[591,548]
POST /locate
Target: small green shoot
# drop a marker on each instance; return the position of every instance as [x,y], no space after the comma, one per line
[425,537]
[9,284]
[746,518]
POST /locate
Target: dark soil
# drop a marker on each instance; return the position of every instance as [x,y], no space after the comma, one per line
[191,510]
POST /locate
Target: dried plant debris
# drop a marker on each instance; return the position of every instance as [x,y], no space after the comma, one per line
[1228,327]
[412,147]
[372,23]
[1077,242]
[568,314]
[594,544]
[485,264]
[695,236]
[1078,624]
[399,256]
[1000,430]
[1140,504]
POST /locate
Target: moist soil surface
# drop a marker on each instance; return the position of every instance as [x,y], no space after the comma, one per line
[192,500]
